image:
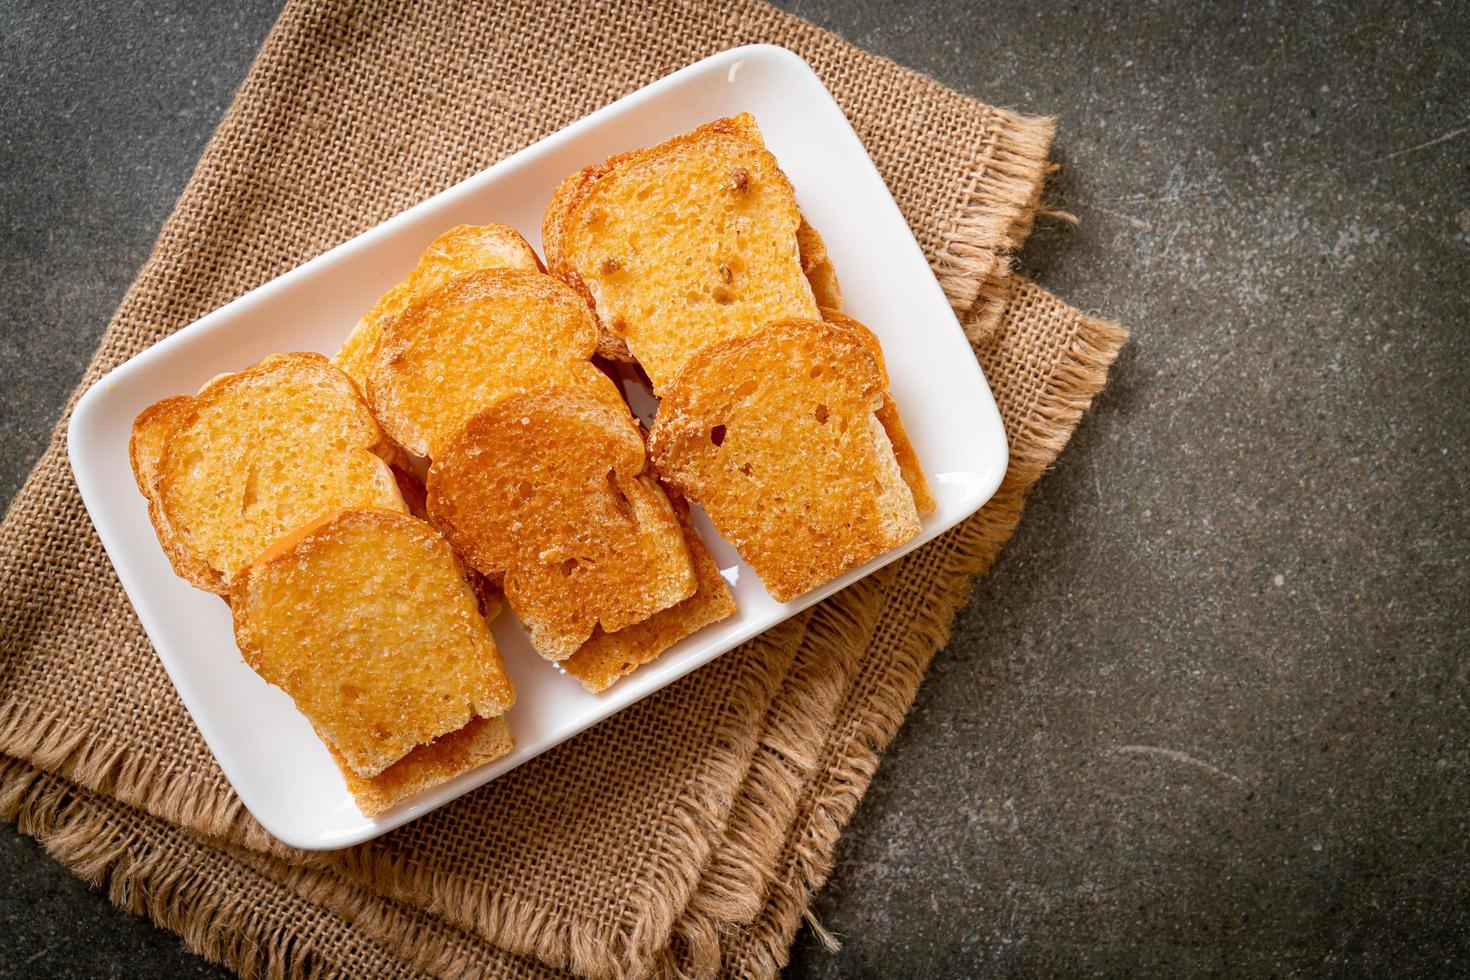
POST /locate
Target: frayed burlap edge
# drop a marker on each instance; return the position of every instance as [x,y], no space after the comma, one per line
[218,924]
[999,207]
[832,780]
[55,743]
[623,946]
[872,718]
[755,855]
[627,947]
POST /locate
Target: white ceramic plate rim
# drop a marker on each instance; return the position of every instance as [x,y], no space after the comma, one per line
[117,510]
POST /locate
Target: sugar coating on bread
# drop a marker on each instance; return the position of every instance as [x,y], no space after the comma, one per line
[682,245]
[481,337]
[266,450]
[776,435]
[152,430]
[549,491]
[607,657]
[482,740]
[461,249]
[366,620]
[903,447]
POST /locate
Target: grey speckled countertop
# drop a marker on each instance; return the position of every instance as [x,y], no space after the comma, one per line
[1208,713]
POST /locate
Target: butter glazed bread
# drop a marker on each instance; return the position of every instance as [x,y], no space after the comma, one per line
[550,491]
[776,435]
[683,245]
[254,455]
[462,249]
[365,618]
[483,336]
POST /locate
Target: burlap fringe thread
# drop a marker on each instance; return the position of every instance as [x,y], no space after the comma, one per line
[169,892]
[759,873]
[730,902]
[628,947]
[977,278]
[54,743]
[1078,377]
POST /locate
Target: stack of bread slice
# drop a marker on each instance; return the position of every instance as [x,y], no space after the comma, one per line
[481,365]
[775,414]
[364,516]
[275,487]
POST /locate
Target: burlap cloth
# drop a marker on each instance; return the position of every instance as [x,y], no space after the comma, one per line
[688,832]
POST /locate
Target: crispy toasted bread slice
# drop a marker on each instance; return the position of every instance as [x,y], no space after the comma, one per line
[549,489]
[481,337]
[682,245]
[152,430]
[260,452]
[482,740]
[607,657]
[365,618]
[776,435]
[462,249]
[903,448]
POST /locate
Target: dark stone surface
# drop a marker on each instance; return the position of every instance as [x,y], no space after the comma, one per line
[105,109]
[1208,713]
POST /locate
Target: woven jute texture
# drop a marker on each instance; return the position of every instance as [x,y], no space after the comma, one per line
[688,832]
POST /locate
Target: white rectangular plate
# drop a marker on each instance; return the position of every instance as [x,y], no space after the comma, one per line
[265,747]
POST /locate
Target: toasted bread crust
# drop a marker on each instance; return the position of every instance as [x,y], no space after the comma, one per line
[903,447]
[264,450]
[607,658]
[549,490]
[717,198]
[367,620]
[776,435]
[907,456]
[479,338]
[483,740]
[461,249]
[152,430]
[817,265]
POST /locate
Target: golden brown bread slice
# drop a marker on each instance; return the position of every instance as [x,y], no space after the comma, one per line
[461,249]
[606,658]
[254,455]
[365,618]
[683,244]
[152,430]
[481,337]
[776,435]
[903,448]
[551,490]
[482,740]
